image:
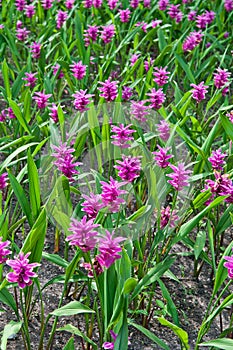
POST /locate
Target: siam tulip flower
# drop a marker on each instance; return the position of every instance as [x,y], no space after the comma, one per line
[168,216]
[192,15]
[156,22]
[84,234]
[134,3]
[3,180]
[229,265]
[3,115]
[46,4]
[97,3]
[3,251]
[139,110]
[221,78]
[92,204]
[122,135]
[111,194]
[96,265]
[192,40]
[20,4]
[175,13]
[87,4]
[109,249]
[56,69]
[110,345]
[149,63]
[69,4]
[53,112]
[161,156]
[210,16]
[199,91]
[65,160]
[30,10]
[61,18]
[161,76]
[221,186]
[22,34]
[134,58]
[82,100]
[228,4]
[163,4]
[129,168]
[157,98]
[124,15]
[179,177]
[202,21]
[127,93]
[108,90]
[230,116]
[11,114]
[90,34]
[35,50]
[108,33]
[22,270]
[143,26]
[147,3]
[79,70]
[112,4]
[163,130]
[41,99]
[226,35]
[217,159]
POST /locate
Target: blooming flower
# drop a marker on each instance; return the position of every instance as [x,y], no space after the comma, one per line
[110,345]
[109,248]
[96,265]
[221,78]
[22,34]
[228,4]
[30,79]
[129,168]
[179,176]
[53,112]
[81,100]
[92,204]
[79,70]
[61,18]
[168,216]
[87,3]
[220,187]
[229,265]
[192,15]
[35,50]
[122,135]
[109,90]
[155,23]
[20,4]
[97,3]
[199,91]
[134,3]
[47,4]
[30,10]
[65,161]
[161,156]
[112,4]
[91,33]
[139,110]
[163,130]
[175,13]
[69,4]
[143,26]
[157,98]
[41,99]
[107,33]
[56,69]
[127,93]
[161,76]
[133,59]
[84,234]
[217,159]
[192,40]
[3,251]
[22,270]
[148,63]
[163,4]
[111,194]
[201,21]
[11,114]
[124,15]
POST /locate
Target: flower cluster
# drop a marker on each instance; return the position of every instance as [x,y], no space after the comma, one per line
[129,168]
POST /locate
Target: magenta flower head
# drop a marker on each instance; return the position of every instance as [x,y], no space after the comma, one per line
[11,114]
[199,91]
[81,100]
[221,78]
[133,59]
[41,99]
[112,4]
[163,4]
[161,76]
[157,98]
[192,41]
[163,130]
[92,204]
[217,159]
[192,15]
[229,265]
[22,33]
[202,21]
[168,216]
[129,168]
[3,251]
[161,156]
[127,93]
[69,4]
[111,194]
[108,90]
[90,34]
[122,135]
[124,15]
[65,160]
[228,4]
[108,33]
[3,180]
[156,22]
[30,10]
[84,234]
[179,177]
[47,4]
[56,69]
[54,112]
[87,3]
[31,79]
[134,3]
[61,18]
[79,70]
[138,110]
[20,4]
[175,13]
[35,50]
[110,345]
[109,249]
[22,270]
[97,3]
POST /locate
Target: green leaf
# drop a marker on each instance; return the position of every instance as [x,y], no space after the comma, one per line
[13,155]
[19,115]
[5,73]
[223,343]
[76,331]
[129,285]
[200,243]
[7,299]
[10,329]
[56,259]
[72,308]
[185,68]
[183,335]
[34,186]
[70,344]
[170,305]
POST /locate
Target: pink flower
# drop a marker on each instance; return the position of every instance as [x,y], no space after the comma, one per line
[82,100]
[22,270]
[3,251]
[127,93]
[217,159]
[30,10]
[221,78]
[20,4]
[88,267]
[147,3]
[41,99]
[22,34]
[97,3]
[220,186]
[163,130]
[228,4]
[53,112]
[47,4]
[129,168]
[124,15]
[110,345]
[90,34]
[11,114]
[111,194]
[134,3]
[168,216]
[61,18]
[92,204]
[108,33]
[78,69]
[161,156]
[210,16]
[161,76]
[69,4]
[112,4]
[56,69]
[139,110]
[109,249]
[229,265]
[35,50]
[201,21]
[156,22]
[175,13]
[87,3]
[192,40]
[134,58]
[143,26]
[157,98]
[179,176]
[108,90]
[65,160]
[84,234]
[122,135]
[192,15]
[199,91]
[148,63]
[163,4]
